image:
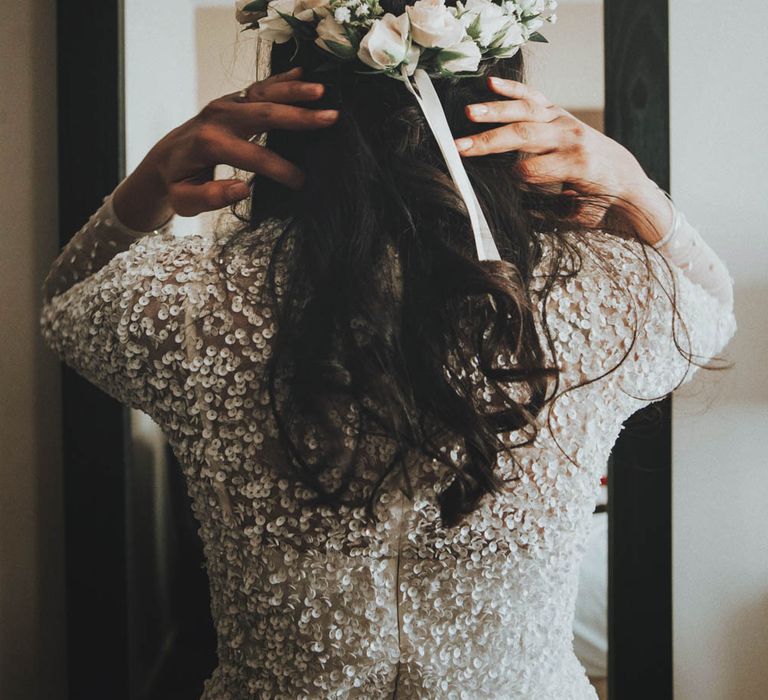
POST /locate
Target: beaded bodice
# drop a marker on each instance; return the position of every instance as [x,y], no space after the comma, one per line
[314,603]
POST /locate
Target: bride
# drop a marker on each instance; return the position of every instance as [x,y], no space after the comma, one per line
[394,387]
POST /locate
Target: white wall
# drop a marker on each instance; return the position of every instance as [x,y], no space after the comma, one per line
[719,110]
[179,55]
[31,552]
[569,69]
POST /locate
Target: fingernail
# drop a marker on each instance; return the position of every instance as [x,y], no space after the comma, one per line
[463,144]
[328,115]
[496,82]
[238,190]
[478,110]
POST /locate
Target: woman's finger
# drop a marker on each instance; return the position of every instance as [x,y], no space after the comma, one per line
[288,92]
[246,119]
[530,137]
[517,91]
[216,146]
[291,74]
[189,198]
[506,111]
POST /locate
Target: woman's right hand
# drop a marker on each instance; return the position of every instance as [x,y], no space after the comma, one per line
[177,175]
[568,153]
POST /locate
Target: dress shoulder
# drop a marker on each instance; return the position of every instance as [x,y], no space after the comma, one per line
[123,326]
[626,318]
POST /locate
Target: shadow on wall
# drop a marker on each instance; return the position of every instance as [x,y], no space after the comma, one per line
[747,674]
[31,515]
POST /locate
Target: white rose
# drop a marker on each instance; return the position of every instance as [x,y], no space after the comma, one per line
[247,17]
[307,9]
[433,24]
[532,7]
[387,44]
[507,45]
[483,20]
[331,37]
[273,27]
[532,25]
[464,57]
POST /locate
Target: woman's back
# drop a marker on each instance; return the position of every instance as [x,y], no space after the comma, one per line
[314,602]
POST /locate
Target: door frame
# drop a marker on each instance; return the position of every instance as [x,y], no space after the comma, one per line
[640,474]
[95,426]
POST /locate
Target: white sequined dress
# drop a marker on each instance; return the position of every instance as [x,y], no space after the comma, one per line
[315,604]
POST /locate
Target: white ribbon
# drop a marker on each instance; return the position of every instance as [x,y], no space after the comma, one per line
[429,102]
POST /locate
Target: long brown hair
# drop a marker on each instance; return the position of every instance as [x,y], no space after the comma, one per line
[386,301]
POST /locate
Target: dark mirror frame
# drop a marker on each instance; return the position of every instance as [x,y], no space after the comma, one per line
[96,435]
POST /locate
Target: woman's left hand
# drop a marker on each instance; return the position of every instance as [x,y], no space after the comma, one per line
[564,150]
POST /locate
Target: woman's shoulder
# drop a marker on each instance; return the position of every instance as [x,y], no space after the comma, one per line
[595,261]
[613,303]
[593,248]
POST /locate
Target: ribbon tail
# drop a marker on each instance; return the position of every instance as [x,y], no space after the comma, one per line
[429,102]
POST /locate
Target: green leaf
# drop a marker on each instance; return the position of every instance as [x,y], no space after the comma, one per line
[474,29]
[353,36]
[299,26]
[256,6]
[445,56]
[341,50]
[539,38]
[495,53]
[499,36]
[429,54]
[372,72]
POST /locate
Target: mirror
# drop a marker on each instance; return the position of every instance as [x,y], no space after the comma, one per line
[187,54]
[203,38]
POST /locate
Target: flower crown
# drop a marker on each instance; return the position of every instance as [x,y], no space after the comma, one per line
[441,40]
[427,39]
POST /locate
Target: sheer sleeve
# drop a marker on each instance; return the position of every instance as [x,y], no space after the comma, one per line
[92,247]
[114,308]
[684,247]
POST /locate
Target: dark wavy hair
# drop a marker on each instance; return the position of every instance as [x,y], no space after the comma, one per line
[385,300]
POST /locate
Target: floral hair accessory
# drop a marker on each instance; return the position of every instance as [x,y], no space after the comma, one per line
[429,35]
[428,39]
